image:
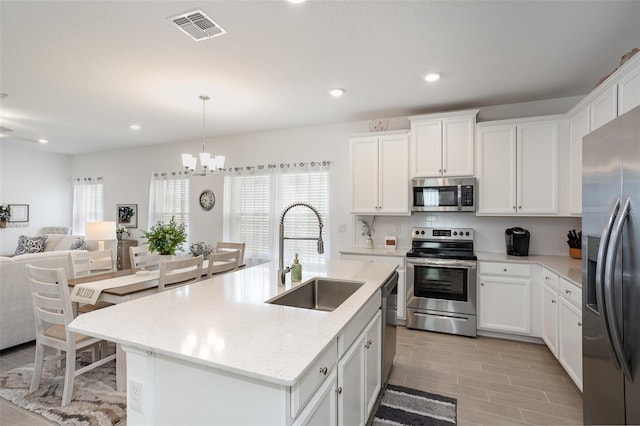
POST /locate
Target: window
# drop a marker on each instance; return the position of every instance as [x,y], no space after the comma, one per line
[88,203]
[253,205]
[169,197]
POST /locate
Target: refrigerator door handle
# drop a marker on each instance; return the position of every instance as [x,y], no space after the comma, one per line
[610,271]
[600,277]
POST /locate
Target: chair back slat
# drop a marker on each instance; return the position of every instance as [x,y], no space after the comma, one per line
[142,258]
[180,272]
[84,263]
[50,295]
[223,261]
[235,246]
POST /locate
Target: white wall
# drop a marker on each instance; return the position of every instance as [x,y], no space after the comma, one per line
[126,175]
[40,179]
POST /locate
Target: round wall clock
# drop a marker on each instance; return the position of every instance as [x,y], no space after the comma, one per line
[207,200]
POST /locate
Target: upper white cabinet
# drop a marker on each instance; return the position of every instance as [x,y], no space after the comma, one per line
[629,89]
[442,144]
[604,107]
[380,174]
[579,127]
[517,167]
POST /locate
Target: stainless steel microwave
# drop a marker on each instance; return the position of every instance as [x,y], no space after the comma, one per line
[444,195]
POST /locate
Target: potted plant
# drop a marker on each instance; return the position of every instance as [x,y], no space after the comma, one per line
[200,248]
[5,215]
[122,230]
[166,238]
[367,230]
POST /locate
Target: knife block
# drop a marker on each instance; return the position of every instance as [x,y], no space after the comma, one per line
[575,253]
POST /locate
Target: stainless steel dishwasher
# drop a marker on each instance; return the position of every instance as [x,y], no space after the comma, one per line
[389,320]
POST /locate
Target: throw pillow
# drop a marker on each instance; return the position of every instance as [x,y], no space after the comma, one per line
[79,244]
[30,244]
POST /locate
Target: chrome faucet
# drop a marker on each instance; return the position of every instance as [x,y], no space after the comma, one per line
[282,271]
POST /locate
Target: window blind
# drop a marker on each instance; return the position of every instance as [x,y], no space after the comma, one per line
[88,203]
[169,198]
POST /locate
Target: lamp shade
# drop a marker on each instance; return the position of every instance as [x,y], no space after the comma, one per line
[100,231]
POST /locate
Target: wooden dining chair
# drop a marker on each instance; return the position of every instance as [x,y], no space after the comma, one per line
[85,263]
[223,261]
[141,257]
[175,273]
[53,313]
[237,246]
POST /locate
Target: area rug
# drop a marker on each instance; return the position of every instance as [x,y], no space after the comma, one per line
[95,401]
[404,406]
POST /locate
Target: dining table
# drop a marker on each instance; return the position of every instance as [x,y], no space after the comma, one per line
[120,287]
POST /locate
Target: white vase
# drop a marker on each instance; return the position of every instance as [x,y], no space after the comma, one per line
[369,242]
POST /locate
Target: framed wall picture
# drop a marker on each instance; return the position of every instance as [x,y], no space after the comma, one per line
[127,215]
[19,212]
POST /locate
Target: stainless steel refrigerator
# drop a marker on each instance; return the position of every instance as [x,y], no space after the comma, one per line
[611,272]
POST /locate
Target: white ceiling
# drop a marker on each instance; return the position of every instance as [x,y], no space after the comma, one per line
[78,73]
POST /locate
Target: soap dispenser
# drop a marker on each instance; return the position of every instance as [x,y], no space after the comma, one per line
[296,269]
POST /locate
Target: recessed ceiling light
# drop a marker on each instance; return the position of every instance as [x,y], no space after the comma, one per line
[432,77]
[134,127]
[337,92]
[42,141]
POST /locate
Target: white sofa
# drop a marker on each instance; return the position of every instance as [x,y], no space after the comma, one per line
[17,323]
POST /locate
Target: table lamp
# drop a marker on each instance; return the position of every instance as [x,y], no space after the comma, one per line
[100,231]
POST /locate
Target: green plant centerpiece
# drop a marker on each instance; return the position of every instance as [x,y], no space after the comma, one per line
[200,248]
[166,238]
[5,215]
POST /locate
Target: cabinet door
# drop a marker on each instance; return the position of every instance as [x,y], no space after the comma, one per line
[604,107]
[504,304]
[322,409]
[570,350]
[496,151]
[629,90]
[457,146]
[537,168]
[426,148]
[373,363]
[393,175]
[351,384]
[550,319]
[402,294]
[363,154]
[578,128]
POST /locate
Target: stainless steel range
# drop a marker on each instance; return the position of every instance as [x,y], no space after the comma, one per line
[441,281]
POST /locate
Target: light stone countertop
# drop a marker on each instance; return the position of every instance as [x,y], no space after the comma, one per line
[565,266]
[223,322]
[376,251]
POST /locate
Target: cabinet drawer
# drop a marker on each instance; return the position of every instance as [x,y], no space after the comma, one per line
[397,260]
[571,292]
[302,391]
[550,278]
[511,269]
[352,330]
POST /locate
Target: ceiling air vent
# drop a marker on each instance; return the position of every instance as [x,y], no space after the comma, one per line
[197,25]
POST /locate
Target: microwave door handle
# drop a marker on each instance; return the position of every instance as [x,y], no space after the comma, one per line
[599,278]
[609,277]
[459,197]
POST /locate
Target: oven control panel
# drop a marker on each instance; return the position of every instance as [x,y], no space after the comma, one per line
[442,233]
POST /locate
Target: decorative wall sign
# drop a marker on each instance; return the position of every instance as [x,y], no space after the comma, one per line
[127,215]
[19,212]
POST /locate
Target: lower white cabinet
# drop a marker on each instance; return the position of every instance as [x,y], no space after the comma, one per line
[570,332]
[504,297]
[550,319]
[349,393]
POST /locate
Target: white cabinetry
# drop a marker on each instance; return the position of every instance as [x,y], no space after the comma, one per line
[322,409]
[604,107]
[629,89]
[570,330]
[380,174]
[579,127]
[442,144]
[402,287]
[505,297]
[550,310]
[517,162]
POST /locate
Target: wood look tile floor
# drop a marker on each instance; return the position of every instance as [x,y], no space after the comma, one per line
[496,382]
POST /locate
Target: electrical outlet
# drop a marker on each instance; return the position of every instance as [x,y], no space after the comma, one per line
[342,229]
[431,219]
[136,395]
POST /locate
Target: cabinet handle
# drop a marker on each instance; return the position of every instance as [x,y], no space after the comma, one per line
[546,278]
[444,170]
[568,291]
[520,207]
[553,301]
[514,207]
[505,269]
[368,344]
[323,370]
[481,283]
[439,170]
[339,390]
[579,324]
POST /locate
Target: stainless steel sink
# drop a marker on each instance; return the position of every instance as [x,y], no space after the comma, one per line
[320,294]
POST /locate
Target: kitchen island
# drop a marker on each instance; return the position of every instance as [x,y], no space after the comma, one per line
[215,353]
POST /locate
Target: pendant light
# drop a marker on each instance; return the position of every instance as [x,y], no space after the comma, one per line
[208,164]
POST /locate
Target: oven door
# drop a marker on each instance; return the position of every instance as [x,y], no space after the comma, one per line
[446,285]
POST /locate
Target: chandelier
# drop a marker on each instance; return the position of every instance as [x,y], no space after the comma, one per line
[209,164]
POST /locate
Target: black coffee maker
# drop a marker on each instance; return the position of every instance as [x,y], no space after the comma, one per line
[517,240]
